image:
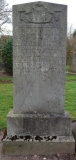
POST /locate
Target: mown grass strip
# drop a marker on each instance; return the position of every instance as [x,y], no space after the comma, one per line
[6,102]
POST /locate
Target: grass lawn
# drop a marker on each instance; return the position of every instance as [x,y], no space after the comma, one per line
[70,95]
[67,68]
[71,77]
[6,102]
[5,80]
[6,98]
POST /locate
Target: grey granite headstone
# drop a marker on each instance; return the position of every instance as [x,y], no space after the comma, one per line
[73,63]
[39,58]
[39,62]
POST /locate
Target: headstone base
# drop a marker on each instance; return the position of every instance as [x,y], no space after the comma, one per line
[38,124]
[21,147]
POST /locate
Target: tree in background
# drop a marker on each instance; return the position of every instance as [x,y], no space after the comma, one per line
[74,33]
[5,15]
[5,20]
[71,44]
[7,56]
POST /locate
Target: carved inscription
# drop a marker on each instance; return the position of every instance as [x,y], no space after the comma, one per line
[39,47]
[40,15]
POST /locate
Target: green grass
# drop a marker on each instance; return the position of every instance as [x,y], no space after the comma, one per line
[6,102]
[70,98]
[4,79]
[70,94]
[70,77]
[6,98]
[67,68]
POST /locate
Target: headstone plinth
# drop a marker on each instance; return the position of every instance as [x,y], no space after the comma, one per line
[39,63]
[38,124]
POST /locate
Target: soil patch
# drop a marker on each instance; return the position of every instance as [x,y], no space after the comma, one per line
[4,74]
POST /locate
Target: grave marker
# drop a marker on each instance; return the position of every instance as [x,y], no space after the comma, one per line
[39,62]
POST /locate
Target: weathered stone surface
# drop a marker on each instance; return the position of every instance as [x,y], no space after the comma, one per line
[73,63]
[74,133]
[60,145]
[38,124]
[39,52]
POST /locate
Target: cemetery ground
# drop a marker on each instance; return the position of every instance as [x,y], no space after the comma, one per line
[6,103]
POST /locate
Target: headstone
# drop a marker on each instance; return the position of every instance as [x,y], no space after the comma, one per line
[39,58]
[39,62]
[73,63]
